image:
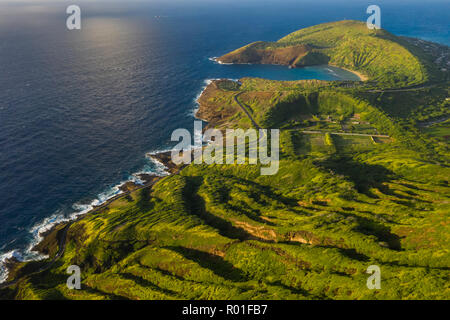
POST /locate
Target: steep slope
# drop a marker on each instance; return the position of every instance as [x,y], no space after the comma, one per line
[358,185]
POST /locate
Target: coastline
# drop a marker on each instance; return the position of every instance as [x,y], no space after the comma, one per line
[143,180]
[49,235]
[13,261]
[362,77]
[38,246]
[139,258]
[40,230]
[124,189]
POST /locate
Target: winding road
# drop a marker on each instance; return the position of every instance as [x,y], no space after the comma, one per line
[245,110]
[308,131]
[342,133]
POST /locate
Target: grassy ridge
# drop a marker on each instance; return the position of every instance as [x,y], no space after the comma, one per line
[337,205]
[223,232]
[383,57]
[362,181]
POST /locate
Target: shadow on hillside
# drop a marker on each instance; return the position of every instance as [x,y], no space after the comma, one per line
[143,203]
[163,272]
[196,205]
[7,294]
[109,295]
[294,290]
[216,264]
[411,186]
[364,176]
[147,284]
[47,282]
[350,253]
[381,232]
[398,264]
[267,191]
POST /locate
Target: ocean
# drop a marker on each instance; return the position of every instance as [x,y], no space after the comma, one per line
[80,109]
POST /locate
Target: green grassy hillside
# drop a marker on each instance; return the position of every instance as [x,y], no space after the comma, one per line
[338,204]
[363,180]
[227,233]
[377,54]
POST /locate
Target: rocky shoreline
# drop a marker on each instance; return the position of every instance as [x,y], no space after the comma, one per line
[49,236]
[54,236]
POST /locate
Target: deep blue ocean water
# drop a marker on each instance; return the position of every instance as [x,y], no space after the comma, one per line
[80,109]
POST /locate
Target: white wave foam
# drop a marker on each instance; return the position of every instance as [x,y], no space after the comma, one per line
[214,59]
[48,223]
[332,72]
[194,111]
[160,168]
[3,259]
[155,167]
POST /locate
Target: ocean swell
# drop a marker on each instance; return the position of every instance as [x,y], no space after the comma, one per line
[154,167]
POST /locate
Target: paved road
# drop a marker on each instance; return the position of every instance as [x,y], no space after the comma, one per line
[402,90]
[62,240]
[342,133]
[246,111]
[255,124]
